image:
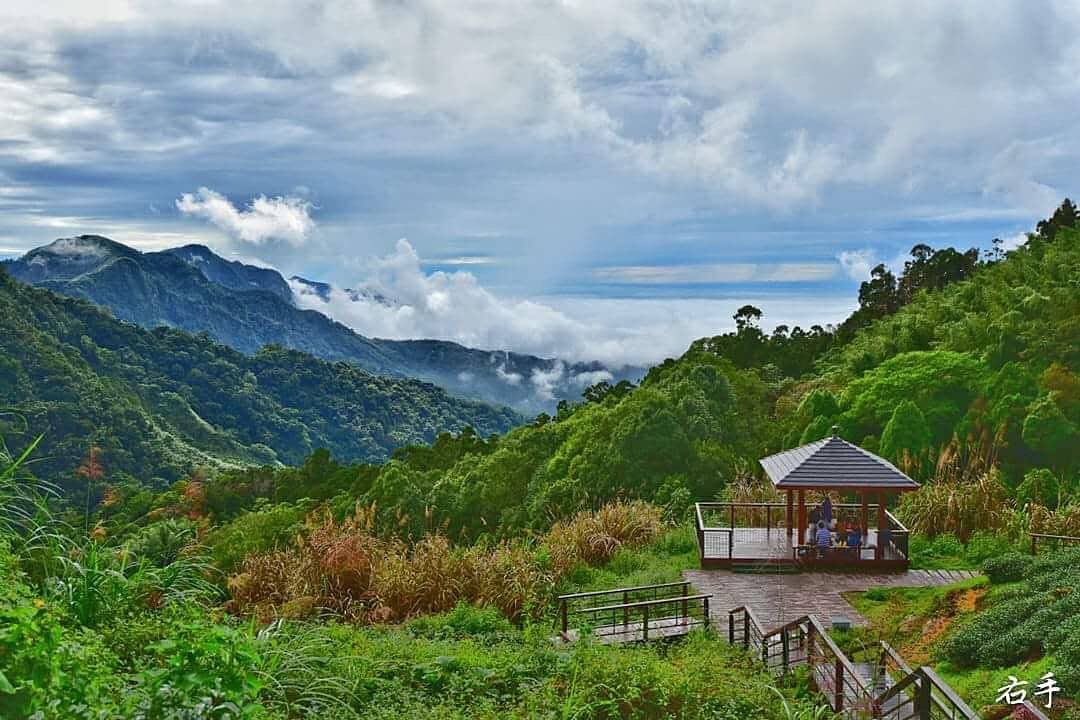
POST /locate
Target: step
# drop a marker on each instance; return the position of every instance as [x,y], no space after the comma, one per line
[764,568]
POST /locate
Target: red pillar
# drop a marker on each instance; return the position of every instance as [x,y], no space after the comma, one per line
[802,517]
[881,527]
[790,513]
[865,519]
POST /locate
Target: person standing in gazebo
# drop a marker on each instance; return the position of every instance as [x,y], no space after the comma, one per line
[826,511]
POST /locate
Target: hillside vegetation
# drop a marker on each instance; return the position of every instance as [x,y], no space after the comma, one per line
[423,586]
[246,307]
[159,403]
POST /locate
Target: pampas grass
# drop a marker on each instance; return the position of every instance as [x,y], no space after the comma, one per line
[345,569]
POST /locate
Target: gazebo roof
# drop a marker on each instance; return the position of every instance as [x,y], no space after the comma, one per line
[834,464]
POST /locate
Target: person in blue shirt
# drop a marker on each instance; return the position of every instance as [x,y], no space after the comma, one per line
[824,538]
[826,511]
[854,536]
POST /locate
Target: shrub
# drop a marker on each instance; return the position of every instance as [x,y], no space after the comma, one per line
[985,545]
[1007,568]
[463,621]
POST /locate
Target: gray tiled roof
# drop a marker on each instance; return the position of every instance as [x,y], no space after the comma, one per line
[834,463]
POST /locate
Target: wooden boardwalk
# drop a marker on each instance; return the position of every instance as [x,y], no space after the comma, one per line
[781,598]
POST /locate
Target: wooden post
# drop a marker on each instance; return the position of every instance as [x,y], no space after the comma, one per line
[705,606]
[879,553]
[802,516]
[685,613]
[790,513]
[625,610]
[1033,544]
[645,621]
[730,625]
[787,649]
[922,697]
[839,685]
[810,653]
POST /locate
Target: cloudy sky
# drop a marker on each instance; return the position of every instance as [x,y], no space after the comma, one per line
[584,178]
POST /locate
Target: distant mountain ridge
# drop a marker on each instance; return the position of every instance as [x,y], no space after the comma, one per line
[161,402]
[246,307]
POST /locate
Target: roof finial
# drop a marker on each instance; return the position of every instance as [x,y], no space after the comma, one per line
[836,431]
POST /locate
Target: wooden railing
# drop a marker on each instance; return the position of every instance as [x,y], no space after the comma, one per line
[1055,540]
[894,692]
[640,612]
[805,642]
[903,693]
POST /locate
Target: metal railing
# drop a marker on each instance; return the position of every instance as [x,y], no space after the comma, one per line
[1055,540]
[717,523]
[634,613]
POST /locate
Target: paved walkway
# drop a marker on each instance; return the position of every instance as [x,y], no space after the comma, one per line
[781,598]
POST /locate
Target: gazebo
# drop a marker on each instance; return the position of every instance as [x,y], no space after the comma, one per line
[752,534]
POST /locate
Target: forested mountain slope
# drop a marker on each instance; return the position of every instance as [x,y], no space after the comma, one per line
[976,374]
[247,307]
[158,403]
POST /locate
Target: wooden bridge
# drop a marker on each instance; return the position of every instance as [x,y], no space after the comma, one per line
[633,614]
[882,686]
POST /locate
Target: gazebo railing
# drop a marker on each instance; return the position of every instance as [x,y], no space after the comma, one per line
[718,524]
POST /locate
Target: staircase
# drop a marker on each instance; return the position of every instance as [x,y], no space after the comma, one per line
[886,689]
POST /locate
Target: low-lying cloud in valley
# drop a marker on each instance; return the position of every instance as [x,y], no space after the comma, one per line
[615,331]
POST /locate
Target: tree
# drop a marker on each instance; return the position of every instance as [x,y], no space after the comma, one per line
[907,434]
[1047,430]
[1066,216]
[747,317]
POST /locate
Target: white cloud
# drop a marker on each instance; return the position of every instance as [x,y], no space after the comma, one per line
[456,307]
[715,273]
[1012,242]
[285,218]
[857,264]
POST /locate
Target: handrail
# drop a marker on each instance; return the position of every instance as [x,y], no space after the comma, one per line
[1046,536]
[834,675]
[840,656]
[594,593]
[1032,712]
[639,603]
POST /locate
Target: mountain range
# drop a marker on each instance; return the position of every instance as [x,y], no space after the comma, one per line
[159,402]
[247,307]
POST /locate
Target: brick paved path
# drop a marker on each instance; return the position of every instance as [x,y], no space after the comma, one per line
[781,598]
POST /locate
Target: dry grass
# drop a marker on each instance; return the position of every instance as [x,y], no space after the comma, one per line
[1063,521]
[345,569]
[957,504]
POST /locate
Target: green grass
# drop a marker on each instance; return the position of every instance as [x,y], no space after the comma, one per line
[662,561]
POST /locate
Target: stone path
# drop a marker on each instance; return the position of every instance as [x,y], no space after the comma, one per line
[779,599]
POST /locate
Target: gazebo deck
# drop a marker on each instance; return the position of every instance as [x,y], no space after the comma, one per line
[759,544]
[733,534]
